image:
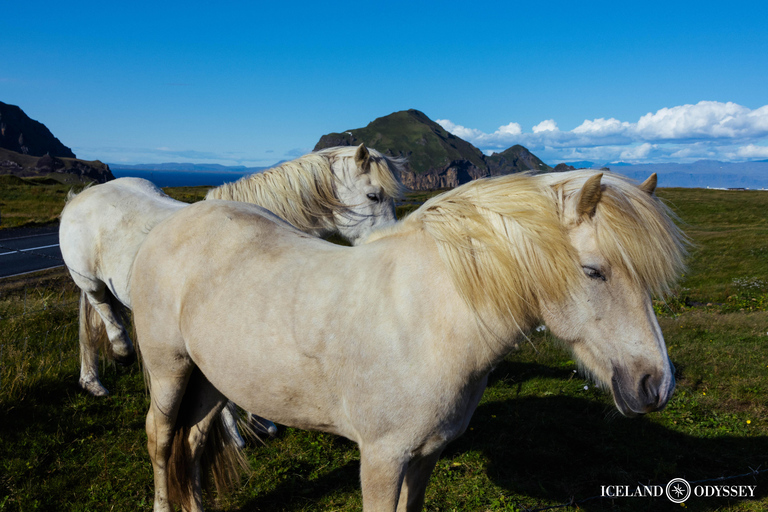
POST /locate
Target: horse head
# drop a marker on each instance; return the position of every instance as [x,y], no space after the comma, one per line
[366,186]
[628,248]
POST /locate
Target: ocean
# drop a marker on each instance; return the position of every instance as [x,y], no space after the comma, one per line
[181,178]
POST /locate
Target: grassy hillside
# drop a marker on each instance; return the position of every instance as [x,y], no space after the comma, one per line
[32,201]
[542,435]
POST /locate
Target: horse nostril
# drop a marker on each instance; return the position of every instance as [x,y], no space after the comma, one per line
[648,390]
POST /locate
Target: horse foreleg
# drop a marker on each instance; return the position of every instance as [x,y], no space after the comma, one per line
[381,477]
[415,482]
[166,396]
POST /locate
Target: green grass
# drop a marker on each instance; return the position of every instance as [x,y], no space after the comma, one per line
[541,435]
[729,260]
[32,201]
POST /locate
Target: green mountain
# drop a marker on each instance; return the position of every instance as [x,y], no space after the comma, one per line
[516,157]
[436,158]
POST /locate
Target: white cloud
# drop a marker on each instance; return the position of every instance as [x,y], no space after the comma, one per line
[458,130]
[752,151]
[708,129]
[509,129]
[640,152]
[546,126]
[602,127]
[705,120]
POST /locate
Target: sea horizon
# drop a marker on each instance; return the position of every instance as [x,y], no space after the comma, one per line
[181,178]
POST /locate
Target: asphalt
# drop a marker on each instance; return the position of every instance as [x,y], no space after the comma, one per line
[25,250]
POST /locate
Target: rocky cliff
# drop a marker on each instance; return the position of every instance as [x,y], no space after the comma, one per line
[61,169]
[23,135]
[436,158]
[28,148]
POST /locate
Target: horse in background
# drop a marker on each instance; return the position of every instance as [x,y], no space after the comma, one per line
[345,190]
[390,343]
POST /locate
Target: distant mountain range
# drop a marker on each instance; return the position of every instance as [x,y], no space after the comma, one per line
[435,157]
[701,174]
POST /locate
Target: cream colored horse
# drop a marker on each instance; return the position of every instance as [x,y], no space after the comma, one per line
[346,190]
[390,343]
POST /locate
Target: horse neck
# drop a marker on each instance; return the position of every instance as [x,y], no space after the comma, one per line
[301,209]
[471,341]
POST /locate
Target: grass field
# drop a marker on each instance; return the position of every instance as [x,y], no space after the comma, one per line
[541,436]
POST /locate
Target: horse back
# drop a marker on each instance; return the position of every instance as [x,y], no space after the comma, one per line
[102,228]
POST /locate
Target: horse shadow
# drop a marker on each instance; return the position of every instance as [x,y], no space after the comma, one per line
[563,448]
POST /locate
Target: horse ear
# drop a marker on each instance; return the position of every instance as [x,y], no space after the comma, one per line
[649,185]
[362,157]
[589,196]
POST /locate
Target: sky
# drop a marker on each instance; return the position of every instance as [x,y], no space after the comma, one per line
[253,83]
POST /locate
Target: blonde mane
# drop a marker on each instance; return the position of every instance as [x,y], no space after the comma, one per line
[302,191]
[494,234]
[635,229]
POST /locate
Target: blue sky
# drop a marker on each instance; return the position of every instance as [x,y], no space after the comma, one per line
[252,83]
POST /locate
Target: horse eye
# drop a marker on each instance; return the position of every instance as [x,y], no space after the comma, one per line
[593,273]
[373,197]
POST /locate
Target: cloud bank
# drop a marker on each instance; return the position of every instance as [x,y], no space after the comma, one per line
[685,133]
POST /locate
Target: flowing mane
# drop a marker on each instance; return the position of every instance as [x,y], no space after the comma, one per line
[494,234]
[635,229]
[302,191]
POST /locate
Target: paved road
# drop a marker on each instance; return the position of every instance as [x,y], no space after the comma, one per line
[29,250]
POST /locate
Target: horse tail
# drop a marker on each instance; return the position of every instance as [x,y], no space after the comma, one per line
[72,194]
[222,463]
[226,461]
[92,326]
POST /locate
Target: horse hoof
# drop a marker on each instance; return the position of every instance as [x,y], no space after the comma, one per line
[261,426]
[125,360]
[94,388]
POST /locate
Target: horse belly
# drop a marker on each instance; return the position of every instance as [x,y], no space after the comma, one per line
[274,383]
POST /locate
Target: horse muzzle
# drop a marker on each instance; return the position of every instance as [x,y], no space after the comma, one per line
[648,393]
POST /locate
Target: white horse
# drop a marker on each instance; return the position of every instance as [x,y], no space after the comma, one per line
[345,189]
[390,343]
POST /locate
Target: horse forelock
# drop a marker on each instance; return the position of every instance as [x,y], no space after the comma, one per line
[502,242]
[384,170]
[634,229]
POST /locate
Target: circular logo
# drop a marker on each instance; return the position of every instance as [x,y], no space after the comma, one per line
[678,490]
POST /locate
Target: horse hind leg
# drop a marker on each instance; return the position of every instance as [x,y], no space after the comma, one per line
[93,335]
[229,419]
[255,425]
[261,426]
[114,316]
